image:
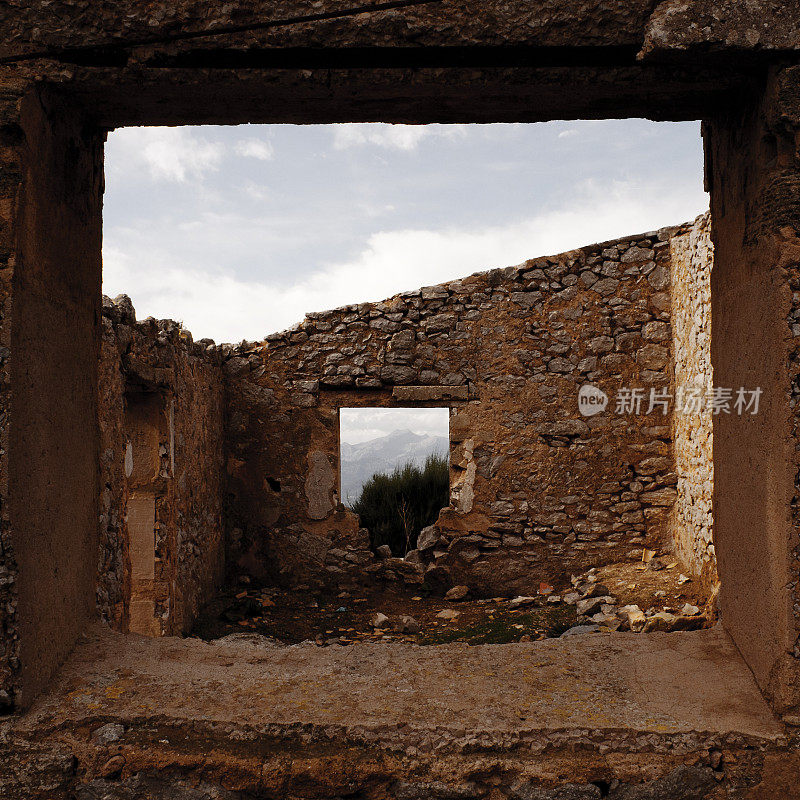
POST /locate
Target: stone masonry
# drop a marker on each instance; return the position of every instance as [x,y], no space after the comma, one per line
[692,258]
[70,70]
[175,465]
[537,489]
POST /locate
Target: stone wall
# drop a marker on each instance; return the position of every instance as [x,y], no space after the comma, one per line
[538,490]
[692,259]
[161,423]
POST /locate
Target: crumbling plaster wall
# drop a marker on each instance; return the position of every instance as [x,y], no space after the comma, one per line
[538,489]
[160,357]
[692,259]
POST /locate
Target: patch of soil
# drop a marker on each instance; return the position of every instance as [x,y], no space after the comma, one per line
[301,615]
[293,617]
[501,626]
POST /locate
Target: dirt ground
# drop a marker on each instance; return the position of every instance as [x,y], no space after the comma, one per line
[345,617]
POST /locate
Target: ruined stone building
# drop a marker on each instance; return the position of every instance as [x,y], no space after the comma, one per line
[538,491]
[141,471]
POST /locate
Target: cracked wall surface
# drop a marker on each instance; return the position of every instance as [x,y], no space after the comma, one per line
[37,25]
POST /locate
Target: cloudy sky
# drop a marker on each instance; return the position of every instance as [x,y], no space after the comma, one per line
[363,424]
[239,231]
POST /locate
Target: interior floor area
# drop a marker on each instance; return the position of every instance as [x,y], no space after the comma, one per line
[644,594]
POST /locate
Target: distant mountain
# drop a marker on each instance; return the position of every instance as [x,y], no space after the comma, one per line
[361,461]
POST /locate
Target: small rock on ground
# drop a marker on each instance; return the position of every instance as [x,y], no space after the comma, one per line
[106,734]
[408,625]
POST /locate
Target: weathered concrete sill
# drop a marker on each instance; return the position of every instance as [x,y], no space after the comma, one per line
[252,719]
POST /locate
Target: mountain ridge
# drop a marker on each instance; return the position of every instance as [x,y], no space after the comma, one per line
[359,462]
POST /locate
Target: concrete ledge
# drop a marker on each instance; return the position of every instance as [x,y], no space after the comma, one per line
[656,683]
[245,720]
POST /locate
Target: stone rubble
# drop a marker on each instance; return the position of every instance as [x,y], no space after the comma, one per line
[595,604]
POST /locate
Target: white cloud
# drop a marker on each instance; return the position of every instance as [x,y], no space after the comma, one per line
[255,148]
[257,191]
[215,304]
[391,137]
[168,154]
[363,424]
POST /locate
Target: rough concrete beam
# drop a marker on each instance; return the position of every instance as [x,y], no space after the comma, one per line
[401,721]
[620,683]
[701,26]
[186,96]
[41,25]
[421,394]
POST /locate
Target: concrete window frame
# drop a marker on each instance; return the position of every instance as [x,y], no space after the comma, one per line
[54,128]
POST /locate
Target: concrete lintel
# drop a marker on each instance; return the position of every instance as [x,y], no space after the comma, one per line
[148,375]
[421,394]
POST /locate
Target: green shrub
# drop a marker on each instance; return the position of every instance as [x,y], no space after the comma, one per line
[396,507]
